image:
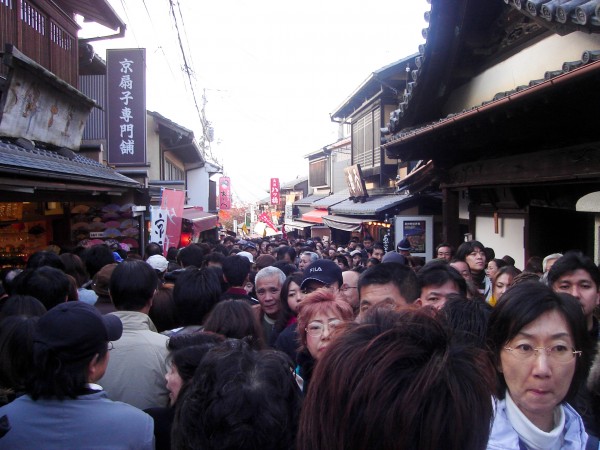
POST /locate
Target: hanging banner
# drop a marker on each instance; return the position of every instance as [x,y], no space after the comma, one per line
[158,225]
[126,109]
[171,208]
[224,193]
[274,191]
[264,218]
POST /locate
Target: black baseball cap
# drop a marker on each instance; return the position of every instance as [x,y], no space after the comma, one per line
[76,330]
[324,271]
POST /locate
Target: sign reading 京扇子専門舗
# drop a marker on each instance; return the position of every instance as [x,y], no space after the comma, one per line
[126,90]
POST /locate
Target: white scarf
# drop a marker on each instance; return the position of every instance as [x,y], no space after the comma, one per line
[532,436]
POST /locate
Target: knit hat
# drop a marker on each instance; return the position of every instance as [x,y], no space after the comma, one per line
[404,245]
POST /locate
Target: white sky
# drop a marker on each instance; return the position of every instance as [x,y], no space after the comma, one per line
[273,71]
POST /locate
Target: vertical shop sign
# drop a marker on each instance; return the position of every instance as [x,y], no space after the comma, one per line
[274,191]
[126,78]
[158,224]
[224,193]
[172,203]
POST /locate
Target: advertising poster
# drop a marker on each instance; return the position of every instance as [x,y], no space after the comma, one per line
[419,232]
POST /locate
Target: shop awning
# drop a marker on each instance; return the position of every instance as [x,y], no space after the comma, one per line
[371,207]
[314,216]
[344,223]
[307,201]
[201,220]
[297,225]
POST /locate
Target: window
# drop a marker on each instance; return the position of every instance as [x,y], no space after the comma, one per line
[172,172]
[366,136]
[318,173]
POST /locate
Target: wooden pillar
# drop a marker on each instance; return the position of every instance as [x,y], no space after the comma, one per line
[450,221]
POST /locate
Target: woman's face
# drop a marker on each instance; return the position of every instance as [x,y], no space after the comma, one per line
[501,285]
[476,260]
[294,296]
[174,383]
[248,287]
[318,332]
[491,269]
[340,264]
[539,383]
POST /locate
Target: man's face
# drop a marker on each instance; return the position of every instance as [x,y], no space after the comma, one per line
[436,296]
[304,262]
[351,245]
[349,288]
[378,253]
[368,243]
[462,268]
[312,285]
[444,253]
[228,244]
[580,285]
[252,251]
[374,294]
[268,291]
[356,259]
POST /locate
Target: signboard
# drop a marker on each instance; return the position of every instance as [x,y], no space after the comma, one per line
[165,227]
[224,200]
[264,218]
[355,181]
[11,211]
[126,110]
[419,232]
[275,191]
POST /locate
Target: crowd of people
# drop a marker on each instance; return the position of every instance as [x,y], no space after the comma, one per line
[299,344]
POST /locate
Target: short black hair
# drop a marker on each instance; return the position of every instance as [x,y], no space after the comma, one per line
[215,258]
[286,250]
[195,293]
[236,269]
[49,285]
[44,258]
[153,249]
[190,256]
[437,273]
[132,285]
[399,275]
[96,257]
[571,261]
[466,248]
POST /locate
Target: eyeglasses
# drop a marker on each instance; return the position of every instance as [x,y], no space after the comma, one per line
[316,329]
[558,353]
[110,346]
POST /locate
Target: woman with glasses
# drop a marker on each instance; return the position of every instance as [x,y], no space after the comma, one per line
[472,253]
[541,350]
[320,314]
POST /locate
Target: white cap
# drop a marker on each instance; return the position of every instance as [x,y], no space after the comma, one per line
[158,262]
[247,255]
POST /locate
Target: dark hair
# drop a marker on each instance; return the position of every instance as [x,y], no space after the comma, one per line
[8,278]
[215,258]
[342,259]
[190,256]
[398,381]
[466,248]
[526,302]
[163,312]
[534,264]
[196,292]
[235,319]
[22,305]
[399,275]
[444,244]
[500,263]
[49,285]
[74,266]
[286,250]
[44,258]
[286,313]
[154,248]
[467,318]
[373,261]
[438,273]
[96,257]
[285,267]
[571,261]
[239,398]
[132,285]
[236,269]
[16,351]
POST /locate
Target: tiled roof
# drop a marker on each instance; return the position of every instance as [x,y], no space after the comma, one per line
[575,12]
[332,199]
[62,164]
[307,201]
[587,57]
[372,206]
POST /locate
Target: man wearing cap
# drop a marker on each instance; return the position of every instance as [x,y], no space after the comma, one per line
[63,407]
[356,258]
[322,273]
[404,247]
[137,369]
[251,248]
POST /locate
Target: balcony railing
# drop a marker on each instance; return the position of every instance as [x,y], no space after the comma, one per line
[43,32]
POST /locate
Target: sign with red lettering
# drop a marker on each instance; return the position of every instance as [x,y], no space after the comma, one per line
[224,200]
[264,218]
[275,191]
